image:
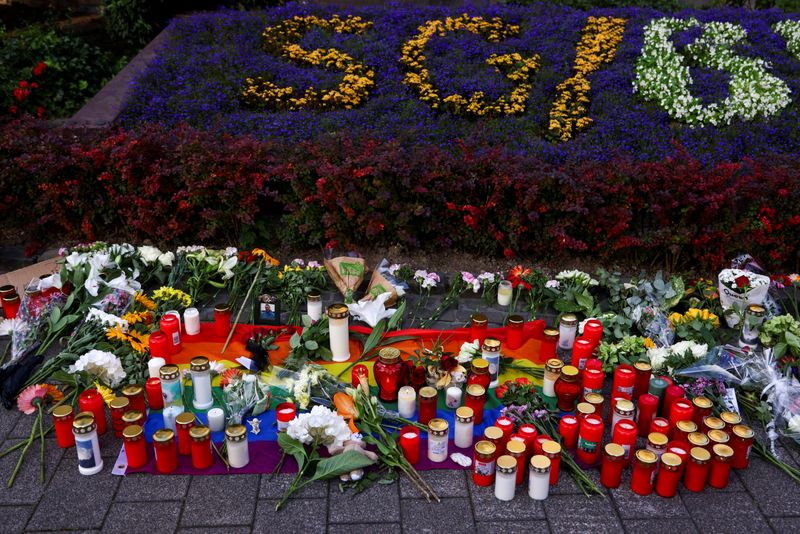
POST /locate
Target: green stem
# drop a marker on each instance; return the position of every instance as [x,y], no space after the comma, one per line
[41,448]
[765,453]
[22,456]
[5,353]
[21,444]
[293,486]
[244,303]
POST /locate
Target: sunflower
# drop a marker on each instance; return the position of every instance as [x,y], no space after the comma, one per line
[145,301]
[264,255]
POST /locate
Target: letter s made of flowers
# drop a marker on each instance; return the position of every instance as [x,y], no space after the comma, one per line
[663,77]
[281,39]
[518,69]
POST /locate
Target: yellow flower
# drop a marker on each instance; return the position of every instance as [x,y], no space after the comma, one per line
[675,318]
[167,293]
[144,301]
[107,393]
[648,343]
[261,253]
[116,333]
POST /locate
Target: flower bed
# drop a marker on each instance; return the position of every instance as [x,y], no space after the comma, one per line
[546,80]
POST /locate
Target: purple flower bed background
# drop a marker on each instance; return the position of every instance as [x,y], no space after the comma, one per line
[198,75]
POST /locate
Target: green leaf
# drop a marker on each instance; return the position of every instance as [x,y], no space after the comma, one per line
[340,464]
[374,337]
[792,340]
[312,345]
[55,315]
[779,350]
[294,341]
[585,300]
[397,318]
[293,448]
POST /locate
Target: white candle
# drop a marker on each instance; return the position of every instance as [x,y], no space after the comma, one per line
[491,353]
[191,321]
[201,383]
[453,398]
[567,328]
[438,430]
[236,444]
[170,413]
[464,427]
[339,332]
[505,292]
[552,370]
[216,419]
[314,306]
[505,481]
[87,445]
[154,365]
[407,402]
[539,478]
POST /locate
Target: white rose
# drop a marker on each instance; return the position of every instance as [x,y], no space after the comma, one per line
[149,254]
[166,259]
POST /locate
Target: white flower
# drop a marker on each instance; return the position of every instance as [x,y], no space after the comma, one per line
[487,278]
[75,259]
[469,351]
[320,426]
[105,366]
[166,259]
[698,350]
[393,268]
[231,251]
[314,265]
[657,356]
[552,284]
[217,367]
[149,254]
[793,425]
[106,319]
[299,261]
[9,326]
[576,278]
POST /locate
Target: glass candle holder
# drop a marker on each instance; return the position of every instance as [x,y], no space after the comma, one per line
[549,346]
[63,416]
[567,388]
[613,462]
[483,470]
[702,408]
[135,446]
[697,468]
[720,472]
[87,444]
[552,451]
[314,306]
[516,449]
[478,328]
[514,329]
[91,401]
[505,293]
[438,430]
[427,404]
[476,399]
[643,372]
[567,328]
[552,370]
[359,377]
[388,373]
[741,442]
[409,443]
[339,331]
[191,321]
[407,402]
[200,436]
[222,319]
[539,477]
[568,427]
[596,400]
[183,425]
[731,419]
[660,424]
[133,417]
[165,450]
[479,373]
[754,317]
[11,305]
[491,353]
[200,368]
[118,406]
[683,429]
[668,475]
[698,439]
[285,413]
[644,466]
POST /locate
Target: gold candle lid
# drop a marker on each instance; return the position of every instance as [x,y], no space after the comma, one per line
[702,402]
[515,447]
[615,450]
[551,447]
[723,451]
[540,463]
[221,307]
[132,416]
[185,418]
[479,319]
[569,372]
[670,459]
[624,406]
[236,433]
[554,364]
[584,408]
[164,435]
[83,423]
[475,390]
[133,390]
[714,423]
[686,426]
[479,365]
[731,418]
[169,372]
[515,319]
[718,436]
[438,427]
[594,399]
[485,448]
[428,392]
[569,319]
[642,366]
[199,364]
[657,438]
[389,354]
[698,439]
[314,297]
[756,310]
[465,414]
[492,433]
[119,403]
[646,457]
[338,311]
[132,432]
[700,454]
[199,432]
[506,464]
[491,345]
[62,411]
[743,431]
[550,333]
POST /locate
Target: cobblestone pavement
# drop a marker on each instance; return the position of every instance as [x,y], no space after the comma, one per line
[759,499]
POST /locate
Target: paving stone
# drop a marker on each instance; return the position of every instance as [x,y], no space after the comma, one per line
[504,527]
[8,420]
[27,489]
[14,518]
[297,515]
[632,506]
[595,515]
[725,512]
[275,487]
[220,500]
[65,504]
[567,485]
[215,530]
[487,507]
[785,524]
[761,478]
[450,515]
[377,504]
[446,483]
[143,487]
[659,526]
[385,528]
[125,518]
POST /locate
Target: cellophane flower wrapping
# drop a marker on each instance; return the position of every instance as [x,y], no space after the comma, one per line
[246,395]
[733,300]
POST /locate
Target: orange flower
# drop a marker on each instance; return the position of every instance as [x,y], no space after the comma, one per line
[517,276]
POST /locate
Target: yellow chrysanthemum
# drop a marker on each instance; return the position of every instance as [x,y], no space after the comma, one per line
[648,343]
[107,393]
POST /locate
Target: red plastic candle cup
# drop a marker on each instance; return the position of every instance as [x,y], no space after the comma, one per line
[668,475]
[201,447]
[135,395]
[644,469]
[720,472]
[682,430]
[624,381]
[516,449]
[741,443]
[581,351]
[528,433]
[647,408]
[702,408]
[593,331]
[592,381]
[479,326]
[539,441]
[10,305]
[222,320]
[135,445]
[183,424]
[666,379]
[613,462]
[659,424]
[285,412]
[568,388]
[7,290]
[624,434]
[358,373]
[427,405]
[154,395]
[159,344]
[671,394]
[681,410]
[514,336]
[593,363]
[483,469]
[165,450]
[643,371]
[118,407]
[507,426]
[91,401]
[409,442]
[476,399]
[568,427]
[552,449]
[548,348]
[62,421]
[171,328]
[494,435]
[590,439]
[697,469]
[681,450]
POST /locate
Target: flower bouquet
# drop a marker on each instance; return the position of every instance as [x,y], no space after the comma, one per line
[441,368]
[347,273]
[737,290]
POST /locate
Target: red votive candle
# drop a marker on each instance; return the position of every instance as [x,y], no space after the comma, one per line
[475,399]
[516,449]
[741,442]
[285,412]
[427,405]
[171,328]
[648,406]
[10,305]
[539,442]
[484,463]
[165,450]
[183,424]
[507,426]
[624,381]
[154,395]
[671,394]
[91,401]
[159,344]
[494,435]
[720,472]
[568,427]
[201,447]
[644,466]
[581,351]
[478,329]
[643,371]
[681,450]
[409,442]
[613,462]
[222,319]
[528,433]
[702,408]
[547,349]
[135,445]
[118,406]
[668,475]
[552,449]
[135,395]
[682,430]
[659,424]
[514,338]
[697,468]
[624,434]
[592,381]
[681,410]
[590,439]
[594,363]
[62,421]
[593,331]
